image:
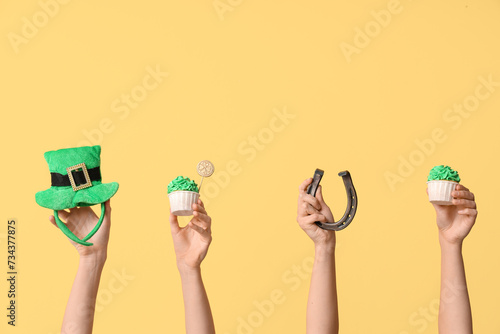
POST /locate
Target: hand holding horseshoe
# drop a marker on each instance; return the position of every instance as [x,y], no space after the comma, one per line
[352,201]
[313,208]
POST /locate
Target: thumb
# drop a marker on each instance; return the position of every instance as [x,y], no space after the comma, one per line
[174,223]
[319,194]
[107,214]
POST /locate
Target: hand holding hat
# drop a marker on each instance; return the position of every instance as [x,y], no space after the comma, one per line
[81,221]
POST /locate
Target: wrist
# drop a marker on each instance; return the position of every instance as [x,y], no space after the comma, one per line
[323,239]
[326,244]
[446,243]
[97,259]
[187,271]
[324,252]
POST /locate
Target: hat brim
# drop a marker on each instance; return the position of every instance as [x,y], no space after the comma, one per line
[60,198]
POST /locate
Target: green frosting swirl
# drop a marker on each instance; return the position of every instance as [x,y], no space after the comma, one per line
[182,183]
[443,172]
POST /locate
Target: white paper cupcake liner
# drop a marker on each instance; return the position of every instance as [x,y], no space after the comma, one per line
[181,202]
[440,191]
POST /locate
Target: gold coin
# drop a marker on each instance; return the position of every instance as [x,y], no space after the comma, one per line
[205,168]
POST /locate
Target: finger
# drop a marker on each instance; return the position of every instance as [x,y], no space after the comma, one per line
[198,208]
[200,202]
[53,221]
[464,202]
[202,218]
[311,219]
[311,210]
[305,209]
[303,185]
[319,194]
[468,212]
[63,214]
[302,209]
[463,194]
[313,201]
[461,187]
[174,223]
[203,232]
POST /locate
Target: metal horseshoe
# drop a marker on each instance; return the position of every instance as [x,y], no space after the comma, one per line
[352,200]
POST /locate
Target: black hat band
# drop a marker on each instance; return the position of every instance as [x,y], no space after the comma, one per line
[60,180]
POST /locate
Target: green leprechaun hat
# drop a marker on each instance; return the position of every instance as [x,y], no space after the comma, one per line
[76,181]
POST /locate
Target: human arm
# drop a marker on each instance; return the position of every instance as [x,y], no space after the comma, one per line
[191,246]
[454,224]
[79,314]
[322,307]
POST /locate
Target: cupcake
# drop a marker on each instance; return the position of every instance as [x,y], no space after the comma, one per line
[182,193]
[441,182]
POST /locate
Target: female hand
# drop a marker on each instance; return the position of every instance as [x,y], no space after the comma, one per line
[455,221]
[312,209]
[81,220]
[191,241]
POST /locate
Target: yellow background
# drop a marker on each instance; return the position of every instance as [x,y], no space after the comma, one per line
[228,74]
